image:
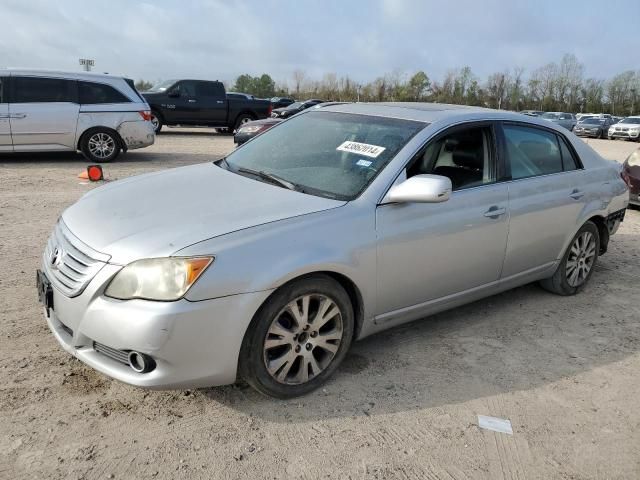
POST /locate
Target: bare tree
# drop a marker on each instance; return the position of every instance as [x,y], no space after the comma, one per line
[298,79]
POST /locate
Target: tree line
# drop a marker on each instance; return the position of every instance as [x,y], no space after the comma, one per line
[556,86]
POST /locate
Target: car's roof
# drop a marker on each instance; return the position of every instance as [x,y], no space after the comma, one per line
[59,73]
[426,112]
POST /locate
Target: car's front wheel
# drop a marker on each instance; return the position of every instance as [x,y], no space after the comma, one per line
[100,145]
[298,337]
[577,264]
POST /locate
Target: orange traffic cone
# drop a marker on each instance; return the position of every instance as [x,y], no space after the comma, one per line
[83,175]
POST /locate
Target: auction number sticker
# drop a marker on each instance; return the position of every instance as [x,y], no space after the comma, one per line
[365,149]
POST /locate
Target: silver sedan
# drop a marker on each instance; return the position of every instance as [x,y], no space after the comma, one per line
[333,225]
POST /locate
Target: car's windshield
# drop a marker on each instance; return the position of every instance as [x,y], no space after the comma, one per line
[634,120]
[294,105]
[335,155]
[162,86]
[551,116]
[593,121]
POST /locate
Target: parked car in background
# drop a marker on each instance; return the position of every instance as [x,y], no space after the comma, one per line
[242,96]
[566,120]
[249,130]
[532,113]
[631,175]
[595,127]
[202,103]
[627,128]
[280,102]
[336,224]
[99,115]
[616,119]
[294,108]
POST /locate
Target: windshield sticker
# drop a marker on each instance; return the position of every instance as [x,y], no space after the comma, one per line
[365,149]
[364,163]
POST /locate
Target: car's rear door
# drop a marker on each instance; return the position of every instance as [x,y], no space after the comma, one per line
[5,126]
[43,113]
[212,101]
[546,196]
[428,251]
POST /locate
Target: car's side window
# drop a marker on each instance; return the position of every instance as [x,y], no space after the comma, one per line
[213,89]
[531,151]
[96,93]
[465,156]
[40,90]
[186,88]
[568,160]
[2,94]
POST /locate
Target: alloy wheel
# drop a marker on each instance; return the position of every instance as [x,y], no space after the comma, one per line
[303,339]
[581,258]
[102,145]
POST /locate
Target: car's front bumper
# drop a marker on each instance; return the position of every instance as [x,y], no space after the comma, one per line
[624,135]
[587,133]
[193,344]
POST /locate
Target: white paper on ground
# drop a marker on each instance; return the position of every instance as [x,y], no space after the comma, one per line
[496,424]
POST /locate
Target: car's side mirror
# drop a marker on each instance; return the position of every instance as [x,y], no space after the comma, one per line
[173,94]
[421,189]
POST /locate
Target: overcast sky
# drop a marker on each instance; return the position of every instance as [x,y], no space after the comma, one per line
[219,39]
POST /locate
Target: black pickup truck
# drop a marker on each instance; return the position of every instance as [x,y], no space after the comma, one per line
[202,103]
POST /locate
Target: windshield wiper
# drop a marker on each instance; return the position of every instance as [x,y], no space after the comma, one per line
[270,177]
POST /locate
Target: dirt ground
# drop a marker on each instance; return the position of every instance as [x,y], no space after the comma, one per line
[565,371]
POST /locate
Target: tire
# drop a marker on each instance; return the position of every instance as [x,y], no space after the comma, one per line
[242,119]
[583,253]
[156,121]
[100,145]
[278,349]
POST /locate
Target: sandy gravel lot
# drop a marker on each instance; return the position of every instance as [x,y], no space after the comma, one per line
[565,371]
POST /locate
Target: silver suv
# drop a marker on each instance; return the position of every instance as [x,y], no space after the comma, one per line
[100,115]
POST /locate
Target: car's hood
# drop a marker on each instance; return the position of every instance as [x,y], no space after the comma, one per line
[157,214]
[627,125]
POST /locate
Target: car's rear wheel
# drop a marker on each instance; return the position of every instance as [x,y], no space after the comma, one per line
[100,145]
[156,121]
[298,338]
[577,264]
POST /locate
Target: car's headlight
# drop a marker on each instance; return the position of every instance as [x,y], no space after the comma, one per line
[634,130]
[164,279]
[249,129]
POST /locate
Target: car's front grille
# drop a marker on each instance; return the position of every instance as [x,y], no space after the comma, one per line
[69,263]
[114,354]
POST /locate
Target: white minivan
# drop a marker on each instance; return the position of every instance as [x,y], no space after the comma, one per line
[99,115]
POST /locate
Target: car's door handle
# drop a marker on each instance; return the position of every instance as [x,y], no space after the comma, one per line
[495,212]
[219,101]
[576,194]
[18,115]
[191,100]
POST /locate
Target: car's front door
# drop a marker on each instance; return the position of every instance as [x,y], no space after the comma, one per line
[546,195]
[5,126]
[182,103]
[43,113]
[428,251]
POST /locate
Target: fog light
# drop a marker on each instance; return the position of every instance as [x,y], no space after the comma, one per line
[141,363]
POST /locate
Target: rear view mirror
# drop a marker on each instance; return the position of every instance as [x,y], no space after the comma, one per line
[421,189]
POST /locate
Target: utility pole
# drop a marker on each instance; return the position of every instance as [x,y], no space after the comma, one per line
[87,63]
